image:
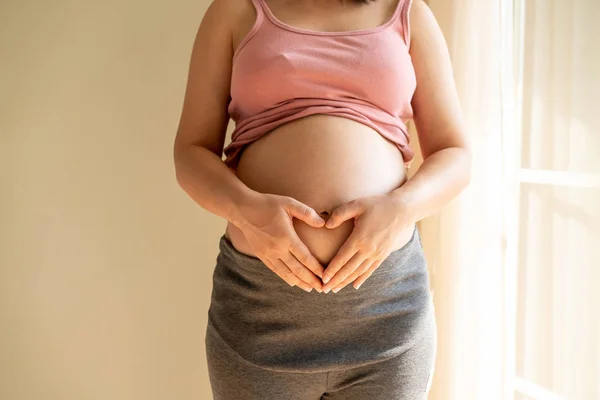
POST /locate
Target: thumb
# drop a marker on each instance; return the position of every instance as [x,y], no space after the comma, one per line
[343,213]
[304,213]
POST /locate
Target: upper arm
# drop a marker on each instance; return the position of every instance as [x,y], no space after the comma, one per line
[437,113]
[204,116]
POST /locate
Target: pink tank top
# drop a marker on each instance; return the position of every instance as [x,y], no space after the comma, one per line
[281,73]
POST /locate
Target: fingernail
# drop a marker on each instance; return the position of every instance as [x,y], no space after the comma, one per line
[327,290]
[358,286]
[336,290]
[308,290]
[326,279]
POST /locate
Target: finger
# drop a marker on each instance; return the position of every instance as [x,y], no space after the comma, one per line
[304,213]
[302,272]
[284,273]
[343,213]
[367,274]
[343,255]
[282,266]
[343,273]
[303,254]
[364,266]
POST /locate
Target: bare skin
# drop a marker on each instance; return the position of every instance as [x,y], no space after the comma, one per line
[303,168]
[309,160]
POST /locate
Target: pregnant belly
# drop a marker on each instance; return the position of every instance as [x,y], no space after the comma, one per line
[322,161]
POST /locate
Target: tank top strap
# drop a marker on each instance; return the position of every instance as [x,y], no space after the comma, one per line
[401,16]
[260,6]
[255,27]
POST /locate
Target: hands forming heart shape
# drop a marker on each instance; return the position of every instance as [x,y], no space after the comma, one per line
[378,220]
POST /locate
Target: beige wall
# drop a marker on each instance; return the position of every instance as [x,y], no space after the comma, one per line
[105,264]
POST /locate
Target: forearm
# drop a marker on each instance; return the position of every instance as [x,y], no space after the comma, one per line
[441,177]
[210,183]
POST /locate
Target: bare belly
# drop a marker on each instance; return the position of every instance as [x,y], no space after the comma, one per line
[322,161]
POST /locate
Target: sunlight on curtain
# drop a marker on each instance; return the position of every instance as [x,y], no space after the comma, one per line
[463,243]
[556,353]
[558,328]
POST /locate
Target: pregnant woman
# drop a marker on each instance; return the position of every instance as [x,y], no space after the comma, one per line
[315,192]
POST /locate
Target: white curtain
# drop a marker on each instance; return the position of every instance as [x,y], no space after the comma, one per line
[464,241]
[558,329]
[556,349]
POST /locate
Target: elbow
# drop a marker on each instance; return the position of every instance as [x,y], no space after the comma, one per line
[466,162]
[180,179]
[179,155]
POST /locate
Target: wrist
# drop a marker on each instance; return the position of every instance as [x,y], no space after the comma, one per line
[241,202]
[404,206]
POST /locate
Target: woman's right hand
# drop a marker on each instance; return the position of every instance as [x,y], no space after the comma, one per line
[267,225]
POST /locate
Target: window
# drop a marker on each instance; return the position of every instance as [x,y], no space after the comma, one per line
[552,208]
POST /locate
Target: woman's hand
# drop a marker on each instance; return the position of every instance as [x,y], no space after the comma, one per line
[267,225]
[378,220]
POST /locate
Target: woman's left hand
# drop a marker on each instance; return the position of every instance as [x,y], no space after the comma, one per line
[378,220]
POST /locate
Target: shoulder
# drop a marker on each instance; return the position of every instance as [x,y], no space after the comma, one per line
[418,8]
[421,18]
[227,14]
[230,18]
[425,30]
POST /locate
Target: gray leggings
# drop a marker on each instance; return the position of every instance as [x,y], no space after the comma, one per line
[266,340]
